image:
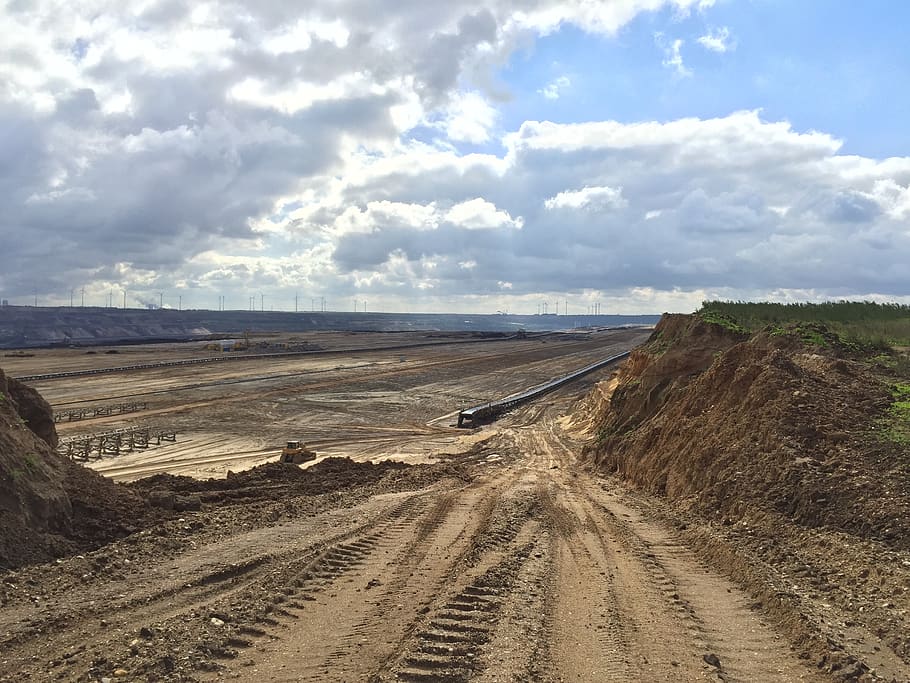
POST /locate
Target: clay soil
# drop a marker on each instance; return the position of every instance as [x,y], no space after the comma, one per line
[486,555]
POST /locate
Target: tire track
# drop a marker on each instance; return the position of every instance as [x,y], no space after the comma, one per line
[206,588]
[716,613]
[370,607]
[450,645]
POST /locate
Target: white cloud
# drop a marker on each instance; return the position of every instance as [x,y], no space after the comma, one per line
[479,214]
[673,55]
[717,201]
[263,146]
[554,88]
[590,198]
[725,140]
[717,40]
[380,215]
[299,36]
[469,118]
[595,17]
[302,95]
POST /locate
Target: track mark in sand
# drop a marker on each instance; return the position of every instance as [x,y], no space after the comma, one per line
[450,644]
[715,613]
[503,524]
[424,568]
[591,637]
[370,593]
[416,576]
[299,588]
[518,647]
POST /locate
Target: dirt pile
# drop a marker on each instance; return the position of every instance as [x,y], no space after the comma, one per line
[736,425]
[50,506]
[275,481]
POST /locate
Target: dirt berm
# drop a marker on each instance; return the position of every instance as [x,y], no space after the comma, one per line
[774,454]
[50,506]
[730,422]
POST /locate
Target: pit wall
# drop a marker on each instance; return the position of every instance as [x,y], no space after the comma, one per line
[49,506]
[736,425]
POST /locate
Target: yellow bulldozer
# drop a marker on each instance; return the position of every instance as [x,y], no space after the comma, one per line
[296,452]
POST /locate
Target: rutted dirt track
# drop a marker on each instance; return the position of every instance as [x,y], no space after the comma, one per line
[496,558]
[519,569]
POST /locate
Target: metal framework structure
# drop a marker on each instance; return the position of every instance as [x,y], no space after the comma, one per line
[488,411]
[113,443]
[85,413]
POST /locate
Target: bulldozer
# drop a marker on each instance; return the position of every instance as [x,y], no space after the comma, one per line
[296,452]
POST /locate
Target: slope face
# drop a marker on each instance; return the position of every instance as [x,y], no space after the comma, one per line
[738,425]
[50,506]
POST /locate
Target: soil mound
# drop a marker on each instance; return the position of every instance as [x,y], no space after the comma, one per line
[734,424]
[50,506]
[271,480]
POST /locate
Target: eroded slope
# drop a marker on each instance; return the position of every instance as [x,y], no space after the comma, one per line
[780,446]
[762,422]
[50,506]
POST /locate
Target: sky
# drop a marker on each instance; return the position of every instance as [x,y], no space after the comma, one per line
[466,156]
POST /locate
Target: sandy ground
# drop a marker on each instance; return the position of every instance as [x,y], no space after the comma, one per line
[502,562]
[363,405]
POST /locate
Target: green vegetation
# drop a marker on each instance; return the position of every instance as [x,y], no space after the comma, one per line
[719,317]
[896,425]
[859,325]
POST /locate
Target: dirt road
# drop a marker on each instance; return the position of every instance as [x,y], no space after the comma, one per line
[520,568]
[495,557]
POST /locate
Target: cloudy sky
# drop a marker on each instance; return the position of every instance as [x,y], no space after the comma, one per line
[453,156]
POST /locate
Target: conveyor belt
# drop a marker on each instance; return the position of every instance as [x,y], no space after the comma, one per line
[487,411]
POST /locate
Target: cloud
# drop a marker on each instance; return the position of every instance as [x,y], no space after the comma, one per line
[717,40]
[591,198]
[722,207]
[469,118]
[479,214]
[554,88]
[360,148]
[595,17]
[673,54]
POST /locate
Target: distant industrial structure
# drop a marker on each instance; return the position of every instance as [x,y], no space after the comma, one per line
[30,327]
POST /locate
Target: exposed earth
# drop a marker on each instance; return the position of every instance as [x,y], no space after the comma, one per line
[692,516]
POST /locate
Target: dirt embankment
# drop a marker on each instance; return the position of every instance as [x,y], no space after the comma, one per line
[775,458]
[734,423]
[50,506]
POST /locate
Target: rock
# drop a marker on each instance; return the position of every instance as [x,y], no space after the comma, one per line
[712,660]
[146,632]
[188,503]
[162,498]
[34,411]
[215,621]
[120,673]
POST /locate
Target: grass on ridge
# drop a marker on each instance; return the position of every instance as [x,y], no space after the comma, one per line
[859,324]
